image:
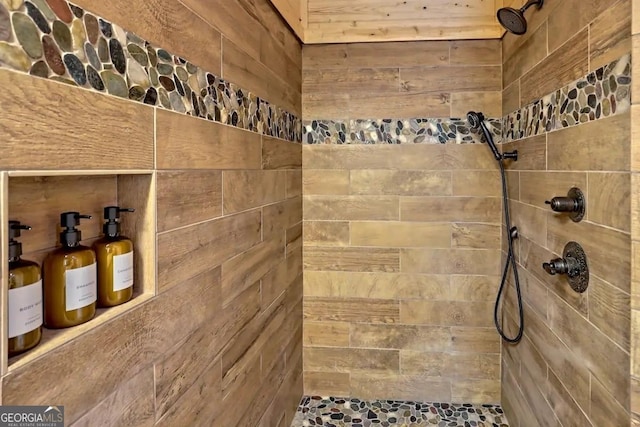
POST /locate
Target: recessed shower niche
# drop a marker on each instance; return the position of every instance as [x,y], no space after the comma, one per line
[37,198]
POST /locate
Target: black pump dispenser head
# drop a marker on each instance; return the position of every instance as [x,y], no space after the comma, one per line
[15,247]
[71,236]
[111,228]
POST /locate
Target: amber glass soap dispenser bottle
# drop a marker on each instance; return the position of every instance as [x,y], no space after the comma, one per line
[25,296]
[70,286]
[115,261]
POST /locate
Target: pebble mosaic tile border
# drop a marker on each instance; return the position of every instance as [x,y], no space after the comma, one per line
[57,40]
[602,93]
[395,131]
[340,412]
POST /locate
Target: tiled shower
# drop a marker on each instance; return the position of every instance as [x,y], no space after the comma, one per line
[328,225]
[403,226]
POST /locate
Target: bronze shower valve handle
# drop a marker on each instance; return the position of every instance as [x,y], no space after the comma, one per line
[573,264]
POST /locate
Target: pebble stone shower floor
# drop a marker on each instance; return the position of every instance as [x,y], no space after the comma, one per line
[339,412]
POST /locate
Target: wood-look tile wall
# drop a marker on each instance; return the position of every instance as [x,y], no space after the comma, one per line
[572,367]
[635,222]
[401,253]
[565,40]
[401,80]
[265,60]
[401,243]
[221,342]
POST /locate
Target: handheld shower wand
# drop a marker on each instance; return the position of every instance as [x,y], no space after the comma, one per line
[477,121]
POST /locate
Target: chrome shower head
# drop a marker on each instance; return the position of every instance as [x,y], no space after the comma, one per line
[513,20]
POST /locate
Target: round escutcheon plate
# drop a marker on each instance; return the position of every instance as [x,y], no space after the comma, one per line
[578,277]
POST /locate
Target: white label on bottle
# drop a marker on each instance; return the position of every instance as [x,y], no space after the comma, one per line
[25,309]
[81,287]
[122,271]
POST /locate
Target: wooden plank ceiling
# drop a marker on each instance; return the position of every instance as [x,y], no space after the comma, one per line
[351,21]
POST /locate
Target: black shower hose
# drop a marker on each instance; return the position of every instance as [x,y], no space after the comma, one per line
[510,262]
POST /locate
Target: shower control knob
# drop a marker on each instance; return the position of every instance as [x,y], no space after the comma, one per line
[573,203]
[568,266]
[573,264]
[563,204]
